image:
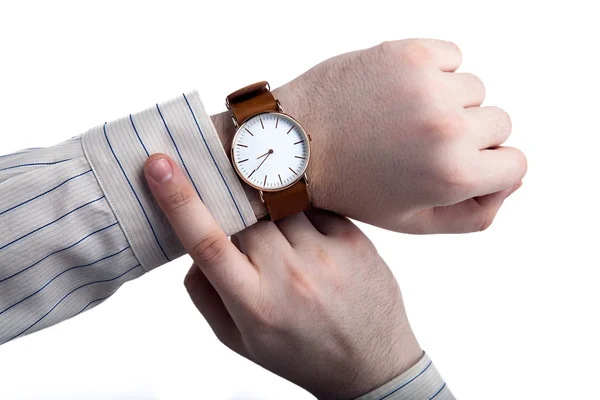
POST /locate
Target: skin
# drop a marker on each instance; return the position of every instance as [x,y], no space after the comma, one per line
[400,139]
[307,297]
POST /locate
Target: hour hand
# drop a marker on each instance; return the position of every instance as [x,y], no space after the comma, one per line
[265,159]
[268,152]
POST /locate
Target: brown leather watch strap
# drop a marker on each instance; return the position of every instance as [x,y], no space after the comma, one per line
[256,99]
[287,201]
[251,100]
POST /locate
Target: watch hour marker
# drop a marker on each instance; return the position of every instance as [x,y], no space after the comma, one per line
[249,131]
[243,145]
[295,173]
[302,158]
[251,173]
[261,123]
[280,179]
[276,122]
[242,161]
[265,182]
[290,130]
[299,141]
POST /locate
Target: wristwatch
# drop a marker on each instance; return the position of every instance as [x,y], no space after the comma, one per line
[270,150]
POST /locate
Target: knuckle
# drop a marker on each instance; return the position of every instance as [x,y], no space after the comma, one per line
[422,89]
[411,52]
[415,52]
[446,125]
[210,249]
[460,179]
[299,280]
[323,258]
[179,200]
[454,178]
[387,49]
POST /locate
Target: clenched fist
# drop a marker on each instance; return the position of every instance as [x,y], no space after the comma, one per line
[400,140]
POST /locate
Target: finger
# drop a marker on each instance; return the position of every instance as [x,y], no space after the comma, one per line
[471,215]
[228,270]
[330,224]
[488,126]
[264,244]
[466,88]
[447,55]
[498,169]
[211,306]
[298,230]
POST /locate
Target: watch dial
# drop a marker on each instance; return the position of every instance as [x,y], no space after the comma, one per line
[270,151]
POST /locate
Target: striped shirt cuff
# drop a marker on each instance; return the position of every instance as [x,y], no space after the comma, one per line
[421,382]
[181,129]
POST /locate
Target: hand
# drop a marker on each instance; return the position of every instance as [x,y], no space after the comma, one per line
[307,298]
[399,140]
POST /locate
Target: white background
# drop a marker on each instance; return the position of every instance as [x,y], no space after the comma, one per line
[508,313]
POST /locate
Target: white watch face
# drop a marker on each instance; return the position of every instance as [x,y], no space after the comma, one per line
[270,151]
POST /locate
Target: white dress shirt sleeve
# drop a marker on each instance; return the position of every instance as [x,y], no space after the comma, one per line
[421,382]
[77,221]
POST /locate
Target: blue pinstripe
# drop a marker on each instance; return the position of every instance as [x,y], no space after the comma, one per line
[214,161]
[138,135]
[438,392]
[58,251]
[405,384]
[177,148]
[50,223]
[67,295]
[57,276]
[43,194]
[89,304]
[34,164]
[135,194]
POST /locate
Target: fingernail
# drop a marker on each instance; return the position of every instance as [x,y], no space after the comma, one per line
[160,170]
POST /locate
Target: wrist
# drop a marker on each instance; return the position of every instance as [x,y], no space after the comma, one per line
[296,103]
[405,353]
